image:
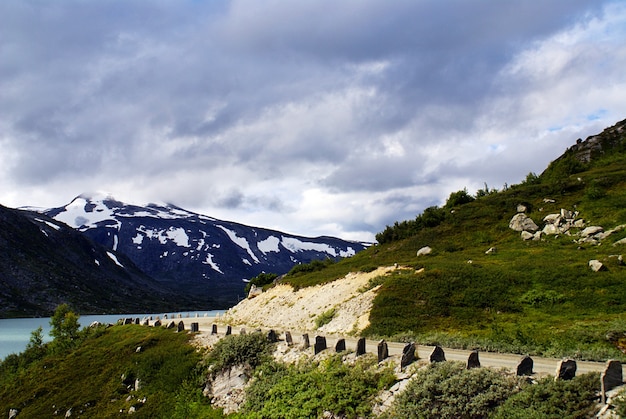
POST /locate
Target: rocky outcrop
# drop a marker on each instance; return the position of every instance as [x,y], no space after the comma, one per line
[565,222]
[227,388]
[522,222]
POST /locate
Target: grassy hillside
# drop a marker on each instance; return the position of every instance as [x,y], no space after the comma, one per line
[535,297]
[97,377]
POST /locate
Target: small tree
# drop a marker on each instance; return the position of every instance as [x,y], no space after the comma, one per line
[65,326]
[459,198]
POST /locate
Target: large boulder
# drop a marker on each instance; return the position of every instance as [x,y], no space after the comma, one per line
[426,250]
[596,265]
[522,222]
[591,231]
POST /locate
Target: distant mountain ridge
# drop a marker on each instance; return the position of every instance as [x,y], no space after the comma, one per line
[197,255]
[44,263]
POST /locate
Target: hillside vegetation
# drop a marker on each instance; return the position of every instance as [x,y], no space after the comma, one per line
[533,296]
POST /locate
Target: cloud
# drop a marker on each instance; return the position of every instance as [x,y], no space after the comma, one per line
[314,117]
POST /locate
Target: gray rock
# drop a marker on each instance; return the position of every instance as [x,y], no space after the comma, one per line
[426,250]
[611,377]
[437,355]
[596,265]
[591,231]
[360,347]
[473,360]
[521,208]
[383,351]
[408,354]
[566,369]
[552,219]
[255,291]
[620,242]
[305,341]
[567,214]
[521,222]
[320,344]
[13,413]
[490,250]
[527,235]
[525,366]
[551,229]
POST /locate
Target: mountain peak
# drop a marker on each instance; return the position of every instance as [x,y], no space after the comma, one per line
[205,257]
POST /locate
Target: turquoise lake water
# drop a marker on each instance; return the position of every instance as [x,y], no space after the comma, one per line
[15,333]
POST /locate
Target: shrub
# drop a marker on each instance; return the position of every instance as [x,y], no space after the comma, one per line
[449,390]
[315,265]
[65,327]
[324,318]
[306,391]
[459,198]
[251,349]
[554,399]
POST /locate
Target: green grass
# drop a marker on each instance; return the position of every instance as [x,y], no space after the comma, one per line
[96,378]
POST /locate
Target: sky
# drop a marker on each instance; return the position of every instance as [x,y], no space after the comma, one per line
[312,117]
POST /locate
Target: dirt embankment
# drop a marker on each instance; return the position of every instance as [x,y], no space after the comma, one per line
[284,308]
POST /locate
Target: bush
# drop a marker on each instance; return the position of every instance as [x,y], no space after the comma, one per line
[324,318]
[459,198]
[554,399]
[65,327]
[251,349]
[314,266]
[449,390]
[306,391]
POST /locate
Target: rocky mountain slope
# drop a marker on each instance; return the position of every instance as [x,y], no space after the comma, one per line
[202,257]
[44,263]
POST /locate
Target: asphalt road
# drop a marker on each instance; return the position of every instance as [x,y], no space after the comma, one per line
[541,366]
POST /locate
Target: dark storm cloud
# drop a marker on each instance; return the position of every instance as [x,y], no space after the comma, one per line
[254,103]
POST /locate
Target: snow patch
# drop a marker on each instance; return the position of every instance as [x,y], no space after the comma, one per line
[295,245]
[138,239]
[177,235]
[83,214]
[114,259]
[213,265]
[49,224]
[240,241]
[269,245]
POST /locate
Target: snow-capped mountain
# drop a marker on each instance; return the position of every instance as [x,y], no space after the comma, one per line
[194,253]
[44,263]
